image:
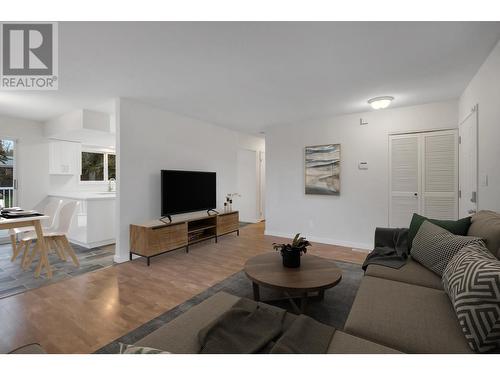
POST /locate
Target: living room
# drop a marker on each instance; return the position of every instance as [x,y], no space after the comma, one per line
[277,188]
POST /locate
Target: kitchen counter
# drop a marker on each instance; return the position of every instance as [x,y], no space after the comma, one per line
[85,196]
[94,222]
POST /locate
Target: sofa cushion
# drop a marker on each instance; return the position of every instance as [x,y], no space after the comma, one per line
[180,336]
[411,273]
[433,246]
[486,224]
[409,318]
[472,281]
[458,227]
[344,343]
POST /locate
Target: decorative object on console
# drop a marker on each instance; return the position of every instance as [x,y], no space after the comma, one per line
[472,281]
[291,253]
[322,169]
[459,227]
[229,200]
[434,247]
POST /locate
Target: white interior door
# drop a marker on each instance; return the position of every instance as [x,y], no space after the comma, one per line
[423,176]
[404,178]
[468,176]
[439,197]
[248,186]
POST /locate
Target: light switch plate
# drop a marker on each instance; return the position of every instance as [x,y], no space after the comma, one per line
[362,165]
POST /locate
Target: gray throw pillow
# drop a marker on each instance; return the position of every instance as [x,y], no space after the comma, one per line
[433,246]
[472,281]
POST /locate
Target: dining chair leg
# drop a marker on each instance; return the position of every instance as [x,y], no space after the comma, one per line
[42,245]
[69,250]
[16,248]
[31,257]
[57,249]
[26,246]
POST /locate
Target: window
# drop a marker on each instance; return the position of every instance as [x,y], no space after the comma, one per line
[111,166]
[98,166]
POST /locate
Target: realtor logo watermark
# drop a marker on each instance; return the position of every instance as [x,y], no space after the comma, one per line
[28,56]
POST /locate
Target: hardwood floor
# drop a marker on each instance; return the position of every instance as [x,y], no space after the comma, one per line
[84,313]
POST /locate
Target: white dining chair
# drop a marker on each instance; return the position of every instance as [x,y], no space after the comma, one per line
[49,208]
[56,238]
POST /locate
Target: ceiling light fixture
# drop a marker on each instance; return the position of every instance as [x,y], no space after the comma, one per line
[380,102]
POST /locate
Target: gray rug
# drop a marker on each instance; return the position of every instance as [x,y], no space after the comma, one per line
[333,310]
[15,280]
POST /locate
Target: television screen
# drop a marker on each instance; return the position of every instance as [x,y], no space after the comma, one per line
[187,191]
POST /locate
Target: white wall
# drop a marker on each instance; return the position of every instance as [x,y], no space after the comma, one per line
[484,89]
[350,218]
[32,159]
[151,139]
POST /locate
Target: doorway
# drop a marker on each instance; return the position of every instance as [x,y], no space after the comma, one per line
[250,181]
[8,182]
[468,175]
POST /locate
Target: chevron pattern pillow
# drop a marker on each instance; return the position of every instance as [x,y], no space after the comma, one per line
[433,246]
[472,281]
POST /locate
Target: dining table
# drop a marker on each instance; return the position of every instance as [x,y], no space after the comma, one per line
[31,221]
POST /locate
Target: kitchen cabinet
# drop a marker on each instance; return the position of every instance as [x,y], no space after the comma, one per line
[64,157]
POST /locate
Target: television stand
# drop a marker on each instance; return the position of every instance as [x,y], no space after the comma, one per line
[158,237]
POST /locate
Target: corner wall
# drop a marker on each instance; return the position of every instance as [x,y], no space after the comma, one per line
[350,218]
[484,90]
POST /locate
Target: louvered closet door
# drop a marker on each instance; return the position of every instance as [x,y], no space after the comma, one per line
[439,198]
[404,178]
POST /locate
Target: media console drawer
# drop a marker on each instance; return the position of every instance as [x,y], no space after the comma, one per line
[227,223]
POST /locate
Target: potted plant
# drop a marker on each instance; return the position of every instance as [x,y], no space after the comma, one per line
[291,253]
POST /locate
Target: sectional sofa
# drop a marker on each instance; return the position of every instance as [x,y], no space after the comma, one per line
[401,310]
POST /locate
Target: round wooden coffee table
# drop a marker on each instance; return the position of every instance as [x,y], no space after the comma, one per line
[312,278]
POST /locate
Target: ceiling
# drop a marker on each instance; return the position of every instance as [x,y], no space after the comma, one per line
[247,75]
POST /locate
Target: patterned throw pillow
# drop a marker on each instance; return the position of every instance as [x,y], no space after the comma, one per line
[433,246]
[472,281]
[132,349]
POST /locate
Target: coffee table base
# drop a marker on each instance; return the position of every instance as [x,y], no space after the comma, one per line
[299,303]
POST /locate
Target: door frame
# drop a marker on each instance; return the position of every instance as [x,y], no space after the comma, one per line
[474,112]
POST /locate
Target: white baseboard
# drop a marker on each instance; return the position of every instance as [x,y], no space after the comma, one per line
[325,240]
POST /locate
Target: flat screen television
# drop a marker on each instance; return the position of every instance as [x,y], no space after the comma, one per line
[187,191]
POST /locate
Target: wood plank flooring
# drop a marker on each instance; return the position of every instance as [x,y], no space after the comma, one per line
[84,313]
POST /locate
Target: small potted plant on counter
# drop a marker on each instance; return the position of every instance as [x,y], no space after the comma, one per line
[291,253]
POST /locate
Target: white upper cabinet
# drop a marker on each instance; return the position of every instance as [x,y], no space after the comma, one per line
[64,157]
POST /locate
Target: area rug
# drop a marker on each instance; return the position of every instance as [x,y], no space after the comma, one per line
[333,310]
[15,280]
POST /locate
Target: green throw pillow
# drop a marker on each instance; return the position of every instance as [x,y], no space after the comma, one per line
[459,227]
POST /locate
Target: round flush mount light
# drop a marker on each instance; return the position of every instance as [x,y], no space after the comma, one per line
[380,102]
